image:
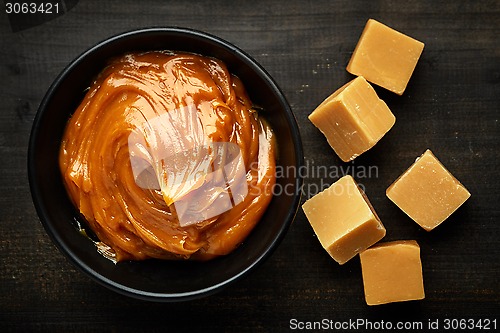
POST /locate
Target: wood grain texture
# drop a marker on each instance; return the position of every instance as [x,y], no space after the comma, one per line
[450,106]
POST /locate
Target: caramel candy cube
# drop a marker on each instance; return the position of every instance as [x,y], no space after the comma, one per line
[427,192]
[392,272]
[385,57]
[353,119]
[343,219]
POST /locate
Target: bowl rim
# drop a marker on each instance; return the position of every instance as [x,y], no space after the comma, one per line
[89,271]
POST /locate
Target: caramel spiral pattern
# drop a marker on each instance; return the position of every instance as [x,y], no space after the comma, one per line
[95,157]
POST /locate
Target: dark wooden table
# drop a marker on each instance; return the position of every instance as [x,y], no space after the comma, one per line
[452,106]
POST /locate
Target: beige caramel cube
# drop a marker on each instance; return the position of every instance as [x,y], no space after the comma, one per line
[427,192]
[385,57]
[392,272]
[343,220]
[353,119]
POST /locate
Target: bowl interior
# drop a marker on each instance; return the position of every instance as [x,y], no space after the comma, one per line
[156,279]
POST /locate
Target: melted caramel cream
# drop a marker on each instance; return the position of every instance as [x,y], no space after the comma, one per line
[166,158]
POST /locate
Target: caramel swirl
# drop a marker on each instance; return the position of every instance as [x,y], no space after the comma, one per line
[166,158]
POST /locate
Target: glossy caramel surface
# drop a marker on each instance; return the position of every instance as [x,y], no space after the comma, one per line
[153,134]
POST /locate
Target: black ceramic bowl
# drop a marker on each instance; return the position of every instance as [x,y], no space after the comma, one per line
[156,279]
